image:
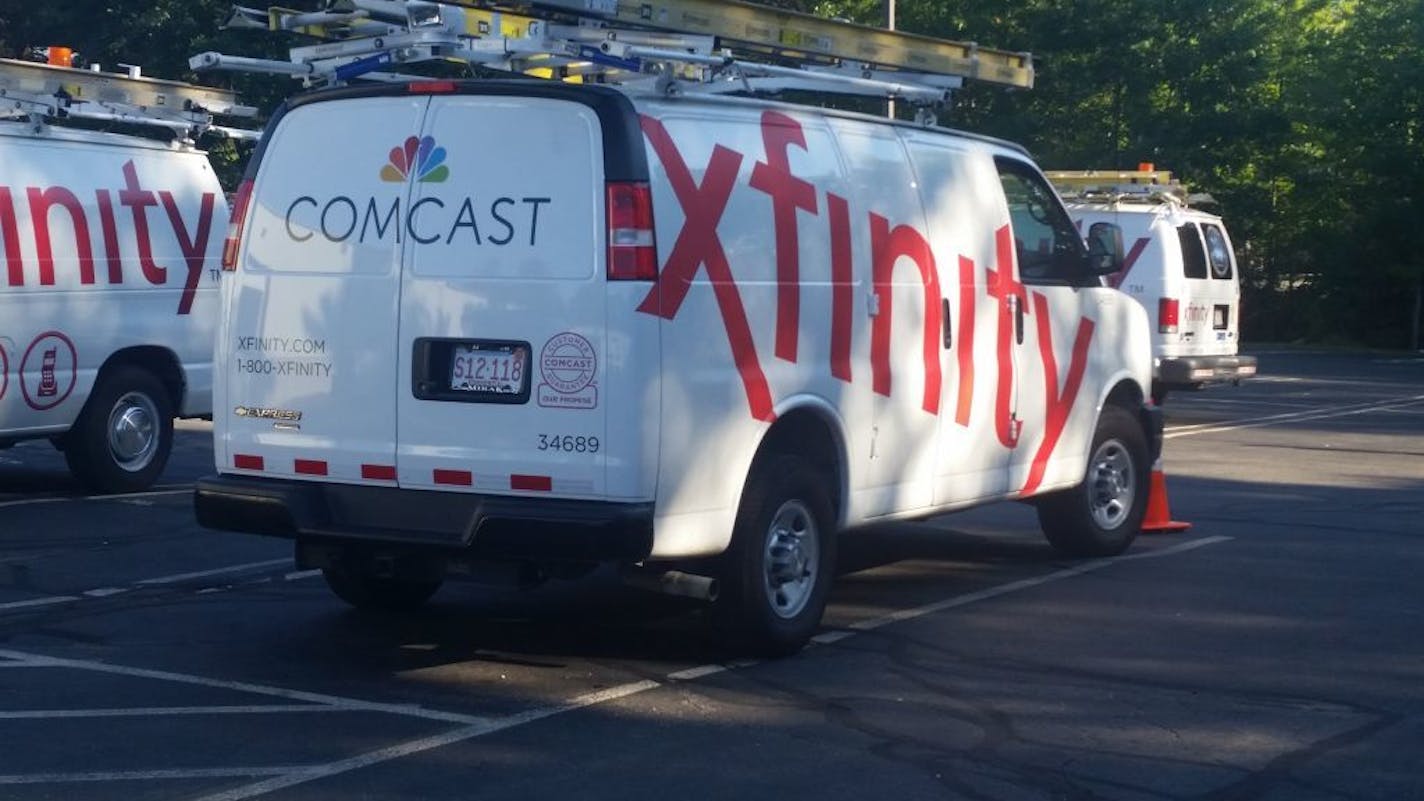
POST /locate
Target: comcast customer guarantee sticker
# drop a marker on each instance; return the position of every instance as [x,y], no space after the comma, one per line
[567,369]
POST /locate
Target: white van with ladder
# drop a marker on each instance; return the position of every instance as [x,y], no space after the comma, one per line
[110,247]
[1179,263]
[544,325]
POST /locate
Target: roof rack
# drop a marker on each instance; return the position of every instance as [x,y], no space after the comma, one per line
[674,46]
[1124,186]
[35,90]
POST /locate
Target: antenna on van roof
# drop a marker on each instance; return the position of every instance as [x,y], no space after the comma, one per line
[675,46]
[30,89]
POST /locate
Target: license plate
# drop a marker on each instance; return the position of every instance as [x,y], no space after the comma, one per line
[489,369]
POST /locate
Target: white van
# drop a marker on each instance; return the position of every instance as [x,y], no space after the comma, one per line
[109,246]
[531,323]
[1179,264]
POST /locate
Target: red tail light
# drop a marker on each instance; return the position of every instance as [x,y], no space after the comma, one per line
[430,87]
[234,225]
[632,251]
[1167,316]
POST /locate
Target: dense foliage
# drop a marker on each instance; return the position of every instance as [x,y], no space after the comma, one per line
[1301,117]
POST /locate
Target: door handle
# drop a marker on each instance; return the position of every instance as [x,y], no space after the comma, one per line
[1018,319]
[944,322]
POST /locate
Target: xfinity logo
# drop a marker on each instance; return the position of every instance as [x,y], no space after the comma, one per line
[427,220]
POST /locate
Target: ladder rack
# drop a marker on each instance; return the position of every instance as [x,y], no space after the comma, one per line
[1148,186]
[30,89]
[675,46]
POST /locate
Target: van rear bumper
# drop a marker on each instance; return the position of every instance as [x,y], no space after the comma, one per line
[1191,371]
[468,525]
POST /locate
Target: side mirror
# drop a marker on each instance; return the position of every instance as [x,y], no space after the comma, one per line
[1104,248]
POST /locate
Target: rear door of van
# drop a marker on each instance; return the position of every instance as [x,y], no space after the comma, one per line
[425,298]
[1209,314]
[309,346]
[523,366]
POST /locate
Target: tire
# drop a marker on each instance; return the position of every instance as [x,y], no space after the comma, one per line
[123,437]
[1102,515]
[371,593]
[778,571]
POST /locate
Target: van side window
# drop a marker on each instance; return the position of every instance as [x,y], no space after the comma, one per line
[1193,257]
[1218,251]
[1049,248]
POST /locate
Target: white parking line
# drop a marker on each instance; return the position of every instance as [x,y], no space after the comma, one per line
[1292,417]
[428,743]
[162,711]
[1024,584]
[623,691]
[148,775]
[33,602]
[106,592]
[157,493]
[217,571]
[347,704]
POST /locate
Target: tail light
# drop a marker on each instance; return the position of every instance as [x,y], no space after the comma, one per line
[1167,313]
[430,87]
[632,250]
[234,225]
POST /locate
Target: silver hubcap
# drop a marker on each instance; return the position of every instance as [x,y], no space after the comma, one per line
[133,431]
[793,550]
[1111,485]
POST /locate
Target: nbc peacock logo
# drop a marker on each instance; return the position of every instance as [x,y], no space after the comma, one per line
[418,155]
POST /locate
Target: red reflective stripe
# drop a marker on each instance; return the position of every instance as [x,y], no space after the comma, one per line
[244,461]
[310,467]
[461,478]
[535,483]
[379,472]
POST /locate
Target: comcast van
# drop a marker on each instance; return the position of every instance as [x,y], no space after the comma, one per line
[542,326]
[1179,265]
[109,246]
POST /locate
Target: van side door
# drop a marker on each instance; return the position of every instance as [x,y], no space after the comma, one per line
[972,464]
[1060,311]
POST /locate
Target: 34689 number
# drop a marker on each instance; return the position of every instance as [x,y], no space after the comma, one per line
[568,443]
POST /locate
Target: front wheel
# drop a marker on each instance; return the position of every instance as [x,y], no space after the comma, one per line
[1102,516]
[122,439]
[778,571]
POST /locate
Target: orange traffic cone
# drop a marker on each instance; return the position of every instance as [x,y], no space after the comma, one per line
[1159,518]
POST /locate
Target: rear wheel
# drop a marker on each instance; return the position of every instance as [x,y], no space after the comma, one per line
[1102,516]
[778,571]
[369,592]
[124,434]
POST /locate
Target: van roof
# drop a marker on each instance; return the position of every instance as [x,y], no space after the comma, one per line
[600,98]
[1165,210]
[22,129]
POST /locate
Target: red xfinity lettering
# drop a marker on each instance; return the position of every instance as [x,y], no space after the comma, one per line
[1058,405]
[1004,286]
[788,193]
[8,231]
[137,199]
[193,247]
[842,286]
[886,247]
[43,203]
[697,244]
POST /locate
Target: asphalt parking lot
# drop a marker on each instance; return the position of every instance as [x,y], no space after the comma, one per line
[1274,651]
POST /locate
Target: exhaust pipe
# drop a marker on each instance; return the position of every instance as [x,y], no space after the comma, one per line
[671,582]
